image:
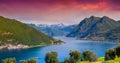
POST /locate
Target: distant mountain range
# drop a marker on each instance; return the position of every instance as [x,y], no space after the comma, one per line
[93,28]
[97,28]
[13,32]
[119,21]
[54,30]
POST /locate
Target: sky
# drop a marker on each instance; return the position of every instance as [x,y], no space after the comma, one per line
[58,11]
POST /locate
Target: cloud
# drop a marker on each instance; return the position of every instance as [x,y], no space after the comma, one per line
[58,10]
[114,4]
[44,4]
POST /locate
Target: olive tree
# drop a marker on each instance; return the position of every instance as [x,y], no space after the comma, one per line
[23,61]
[9,60]
[51,57]
[33,60]
[88,55]
[117,50]
[110,54]
[76,55]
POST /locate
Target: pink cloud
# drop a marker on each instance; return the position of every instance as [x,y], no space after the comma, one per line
[58,10]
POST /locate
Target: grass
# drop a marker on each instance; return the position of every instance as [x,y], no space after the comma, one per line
[101,60]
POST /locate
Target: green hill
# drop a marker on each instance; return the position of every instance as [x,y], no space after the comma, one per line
[14,32]
[96,28]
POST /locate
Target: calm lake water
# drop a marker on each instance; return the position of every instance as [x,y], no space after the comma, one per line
[99,47]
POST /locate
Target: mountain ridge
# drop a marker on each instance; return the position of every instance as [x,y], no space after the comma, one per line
[54,29]
[94,28]
[14,32]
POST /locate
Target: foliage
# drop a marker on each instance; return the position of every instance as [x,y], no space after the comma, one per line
[101,60]
[117,49]
[88,55]
[76,55]
[110,54]
[66,60]
[9,60]
[23,61]
[72,60]
[32,60]
[51,57]
[13,60]
[15,32]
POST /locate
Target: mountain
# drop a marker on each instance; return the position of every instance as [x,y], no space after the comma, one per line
[113,34]
[54,29]
[14,32]
[119,21]
[94,28]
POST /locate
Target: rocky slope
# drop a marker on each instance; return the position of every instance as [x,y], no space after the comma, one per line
[96,28]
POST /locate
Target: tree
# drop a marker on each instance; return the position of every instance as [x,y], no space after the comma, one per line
[70,60]
[9,60]
[110,54]
[33,60]
[66,60]
[51,57]
[117,49]
[76,55]
[93,57]
[23,61]
[88,55]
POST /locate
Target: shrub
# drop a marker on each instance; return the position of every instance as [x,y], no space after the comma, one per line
[66,60]
[76,55]
[9,60]
[70,60]
[23,61]
[51,57]
[117,49]
[110,54]
[33,60]
[88,55]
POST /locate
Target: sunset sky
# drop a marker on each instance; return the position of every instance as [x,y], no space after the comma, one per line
[58,11]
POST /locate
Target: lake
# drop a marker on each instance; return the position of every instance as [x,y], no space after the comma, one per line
[99,47]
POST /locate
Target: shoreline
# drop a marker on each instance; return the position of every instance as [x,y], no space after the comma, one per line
[10,46]
[113,41]
[20,46]
[100,40]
